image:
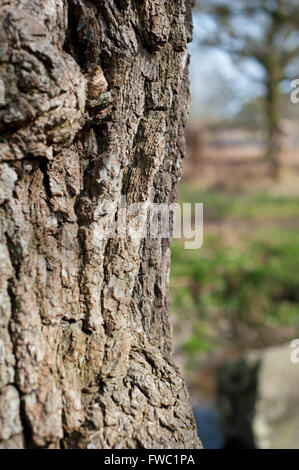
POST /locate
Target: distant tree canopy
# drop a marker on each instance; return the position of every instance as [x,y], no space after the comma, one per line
[266,31]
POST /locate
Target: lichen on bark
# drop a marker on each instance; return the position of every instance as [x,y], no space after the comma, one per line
[85,319]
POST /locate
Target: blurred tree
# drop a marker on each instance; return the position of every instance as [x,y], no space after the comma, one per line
[265,31]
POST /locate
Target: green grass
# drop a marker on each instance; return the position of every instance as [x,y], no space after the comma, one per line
[222,205]
[254,281]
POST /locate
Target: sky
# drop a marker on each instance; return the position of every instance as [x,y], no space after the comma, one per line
[219,88]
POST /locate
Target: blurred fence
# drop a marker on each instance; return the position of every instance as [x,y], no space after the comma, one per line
[224,151]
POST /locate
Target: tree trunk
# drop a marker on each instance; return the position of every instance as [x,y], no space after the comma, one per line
[273,116]
[87,360]
[273,150]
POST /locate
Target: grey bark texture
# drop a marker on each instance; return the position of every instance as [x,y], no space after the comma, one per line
[96,98]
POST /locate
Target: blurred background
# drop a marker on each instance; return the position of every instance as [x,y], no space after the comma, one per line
[235,301]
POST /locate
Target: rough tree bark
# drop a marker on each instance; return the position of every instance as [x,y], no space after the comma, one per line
[84,319]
